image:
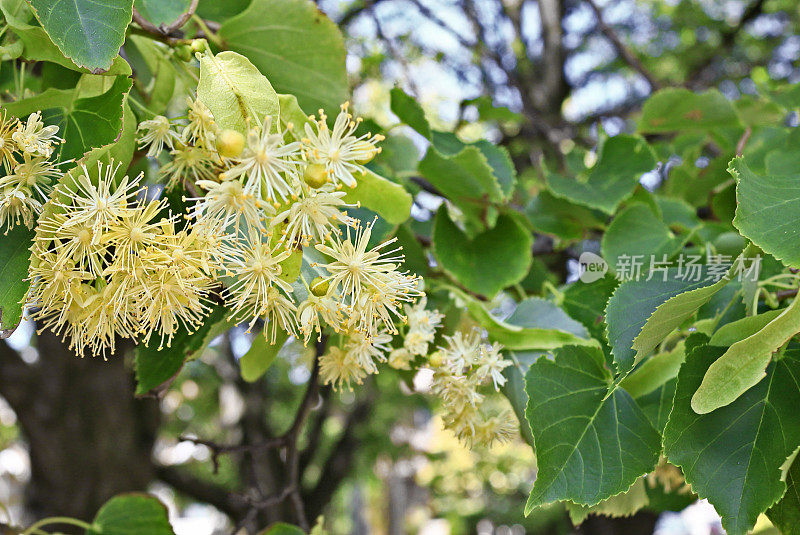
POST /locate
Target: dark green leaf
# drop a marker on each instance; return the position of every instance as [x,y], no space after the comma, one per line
[156,368]
[785,514]
[14,262]
[89,33]
[637,232]
[590,443]
[161,11]
[733,455]
[760,198]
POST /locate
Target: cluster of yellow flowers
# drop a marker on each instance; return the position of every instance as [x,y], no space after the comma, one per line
[461,368]
[25,151]
[108,264]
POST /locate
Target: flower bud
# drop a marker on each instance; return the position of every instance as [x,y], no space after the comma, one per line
[183,52]
[315,175]
[198,45]
[230,143]
[319,286]
[436,359]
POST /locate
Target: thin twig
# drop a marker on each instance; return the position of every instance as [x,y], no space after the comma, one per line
[743,141]
[625,53]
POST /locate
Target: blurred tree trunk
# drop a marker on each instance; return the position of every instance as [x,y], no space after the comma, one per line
[87,435]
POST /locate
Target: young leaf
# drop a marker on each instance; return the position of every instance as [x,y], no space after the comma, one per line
[744,364]
[759,199]
[733,455]
[409,112]
[623,159]
[296,46]
[235,91]
[732,332]
[260,356]
[591,444]
[14,262]
[88,32]
[132,513]
[635,301]
[390,200]
[621,505]
[486,264]
[680,109]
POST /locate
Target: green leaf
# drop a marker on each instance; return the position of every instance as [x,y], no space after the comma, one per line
[235,91]
[669,315]
[637,232]
[534,335]
[390,200]
[732,332]
[14,262]
[157,73]
[677,213]
[84,122]
[292,113]
[491,261]
[654,372]
[89,33]
[623,159]
[733,456]
[296,46]
[468,181]
[161,11]
[281,528]
[558,217]
[680,109]
[760,198]
[591,443]
[586,302]
[635,301]
[744,364]
[409,112]
[132,514]
[533,313]
[260,356]
[785,515]
[621,505]
[156,368]
[37,45]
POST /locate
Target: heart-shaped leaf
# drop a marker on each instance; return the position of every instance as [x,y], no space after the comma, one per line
[487,263]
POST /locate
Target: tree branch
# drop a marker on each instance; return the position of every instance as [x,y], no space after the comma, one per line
[230,504]
[624,52]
